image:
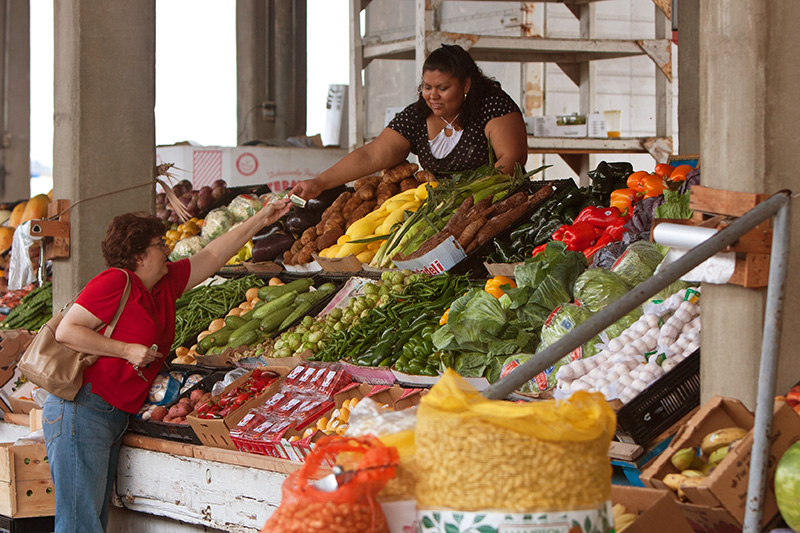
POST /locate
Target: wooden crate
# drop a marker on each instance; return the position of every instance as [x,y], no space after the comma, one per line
[25,486]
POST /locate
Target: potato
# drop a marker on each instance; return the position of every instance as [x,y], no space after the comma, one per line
[180,351]
[251,294]
[216,324]
[158,413]
[275,281]
[196,394]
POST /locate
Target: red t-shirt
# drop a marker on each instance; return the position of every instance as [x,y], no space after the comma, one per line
[148,318]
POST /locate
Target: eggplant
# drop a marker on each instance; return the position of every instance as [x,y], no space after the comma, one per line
[300,219]
[270,247]
[266,231]
[325,199]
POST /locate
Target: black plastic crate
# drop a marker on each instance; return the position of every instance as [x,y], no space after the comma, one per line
[36,524]
[177,432]
[661,404]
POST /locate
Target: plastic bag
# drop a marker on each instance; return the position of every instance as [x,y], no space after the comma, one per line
[350,507]
[20,268]
[244,206]
[638,263]
[479,454]
[217,222]
[229,378]
[187,247]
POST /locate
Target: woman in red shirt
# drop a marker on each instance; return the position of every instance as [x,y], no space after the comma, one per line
[83,436]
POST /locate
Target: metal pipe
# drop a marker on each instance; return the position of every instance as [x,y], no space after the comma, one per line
[770,348]
[636,296]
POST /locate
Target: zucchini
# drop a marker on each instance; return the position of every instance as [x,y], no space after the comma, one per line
[247,338]
[270,293]
[235,337]
[218,338]
[270,307]
[271,322]
[235,321]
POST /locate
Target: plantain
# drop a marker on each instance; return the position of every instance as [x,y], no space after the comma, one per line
[718,455]
[689,482]
[721,437]
[683,458]
[673,481]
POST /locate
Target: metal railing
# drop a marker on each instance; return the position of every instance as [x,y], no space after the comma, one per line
[777,205]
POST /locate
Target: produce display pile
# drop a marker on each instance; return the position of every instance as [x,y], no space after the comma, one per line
[32,311]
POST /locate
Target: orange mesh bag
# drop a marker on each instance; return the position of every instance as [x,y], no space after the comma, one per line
[366,466]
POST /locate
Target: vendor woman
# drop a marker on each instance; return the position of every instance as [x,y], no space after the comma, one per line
[449,127]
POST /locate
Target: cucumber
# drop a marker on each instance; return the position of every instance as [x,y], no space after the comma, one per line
[271,322]
[247,338]
[270,293]
[270,307]
[235,321]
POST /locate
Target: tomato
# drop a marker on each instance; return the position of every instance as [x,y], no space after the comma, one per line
[664,170]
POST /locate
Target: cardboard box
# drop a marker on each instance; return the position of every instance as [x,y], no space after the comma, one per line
[439,260]
[343,265]
[721,498]
[12,345]
[25,486]
[501,269]
[657,509]
[216,431]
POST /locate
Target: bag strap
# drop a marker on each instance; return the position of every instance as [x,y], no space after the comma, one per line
[122,302]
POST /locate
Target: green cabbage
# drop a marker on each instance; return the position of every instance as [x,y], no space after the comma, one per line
[563,320]
[598,287]
[638,262]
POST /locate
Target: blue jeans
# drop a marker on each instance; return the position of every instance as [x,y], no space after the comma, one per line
[83,438]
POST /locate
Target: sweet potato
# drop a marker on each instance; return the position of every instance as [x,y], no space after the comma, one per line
[400,172]
[367,181]
[335,221]
[339,202]
[329,238]
[425,175]
[363,210]
[351,205]
[469,232]
[408,183]
[309,235]
[366,192]
[499,222]
[480,207]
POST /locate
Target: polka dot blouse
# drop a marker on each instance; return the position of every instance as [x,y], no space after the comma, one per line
[472,149]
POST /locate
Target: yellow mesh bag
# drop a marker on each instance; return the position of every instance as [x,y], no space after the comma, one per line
[478,454]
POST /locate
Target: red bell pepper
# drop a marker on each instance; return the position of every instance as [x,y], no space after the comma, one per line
[611,234]
[558,235]
[579,236]
[600,217]
[539,249]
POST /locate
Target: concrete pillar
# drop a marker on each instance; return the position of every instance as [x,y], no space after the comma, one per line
[748,136]
[688,18]
[104,138]
[15,100]
[271,69]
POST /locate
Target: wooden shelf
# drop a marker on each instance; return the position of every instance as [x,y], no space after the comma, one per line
[522,49]
[585,145]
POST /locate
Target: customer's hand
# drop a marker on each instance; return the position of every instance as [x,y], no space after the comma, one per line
[140,355]
[273,211]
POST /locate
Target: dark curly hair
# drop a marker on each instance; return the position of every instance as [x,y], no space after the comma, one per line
[455,61]
[128,236]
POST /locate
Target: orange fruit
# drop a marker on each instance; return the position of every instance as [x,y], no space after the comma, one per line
[664,170]
[679,174]
[635,178]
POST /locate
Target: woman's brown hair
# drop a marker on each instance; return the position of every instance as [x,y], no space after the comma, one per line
[128,236]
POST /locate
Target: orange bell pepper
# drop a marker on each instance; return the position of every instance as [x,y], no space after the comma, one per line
[493,285]
[634,179]
[445,316]
[653,186]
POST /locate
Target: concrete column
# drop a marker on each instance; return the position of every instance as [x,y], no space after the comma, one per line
[252,68]
[104,139]
[688,18]
[748,136]
[15,101]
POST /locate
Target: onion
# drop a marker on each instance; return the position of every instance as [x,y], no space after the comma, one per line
[218,192]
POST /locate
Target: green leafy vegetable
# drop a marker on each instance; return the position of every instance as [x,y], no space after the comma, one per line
[598,287]
[676,205]
[638,262]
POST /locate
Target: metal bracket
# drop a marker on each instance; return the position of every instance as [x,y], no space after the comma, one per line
[55,233]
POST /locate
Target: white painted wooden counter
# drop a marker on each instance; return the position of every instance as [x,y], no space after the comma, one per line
[199,485]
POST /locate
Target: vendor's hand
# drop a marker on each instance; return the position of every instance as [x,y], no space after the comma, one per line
[307,189]
[273,211]
[140,355]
